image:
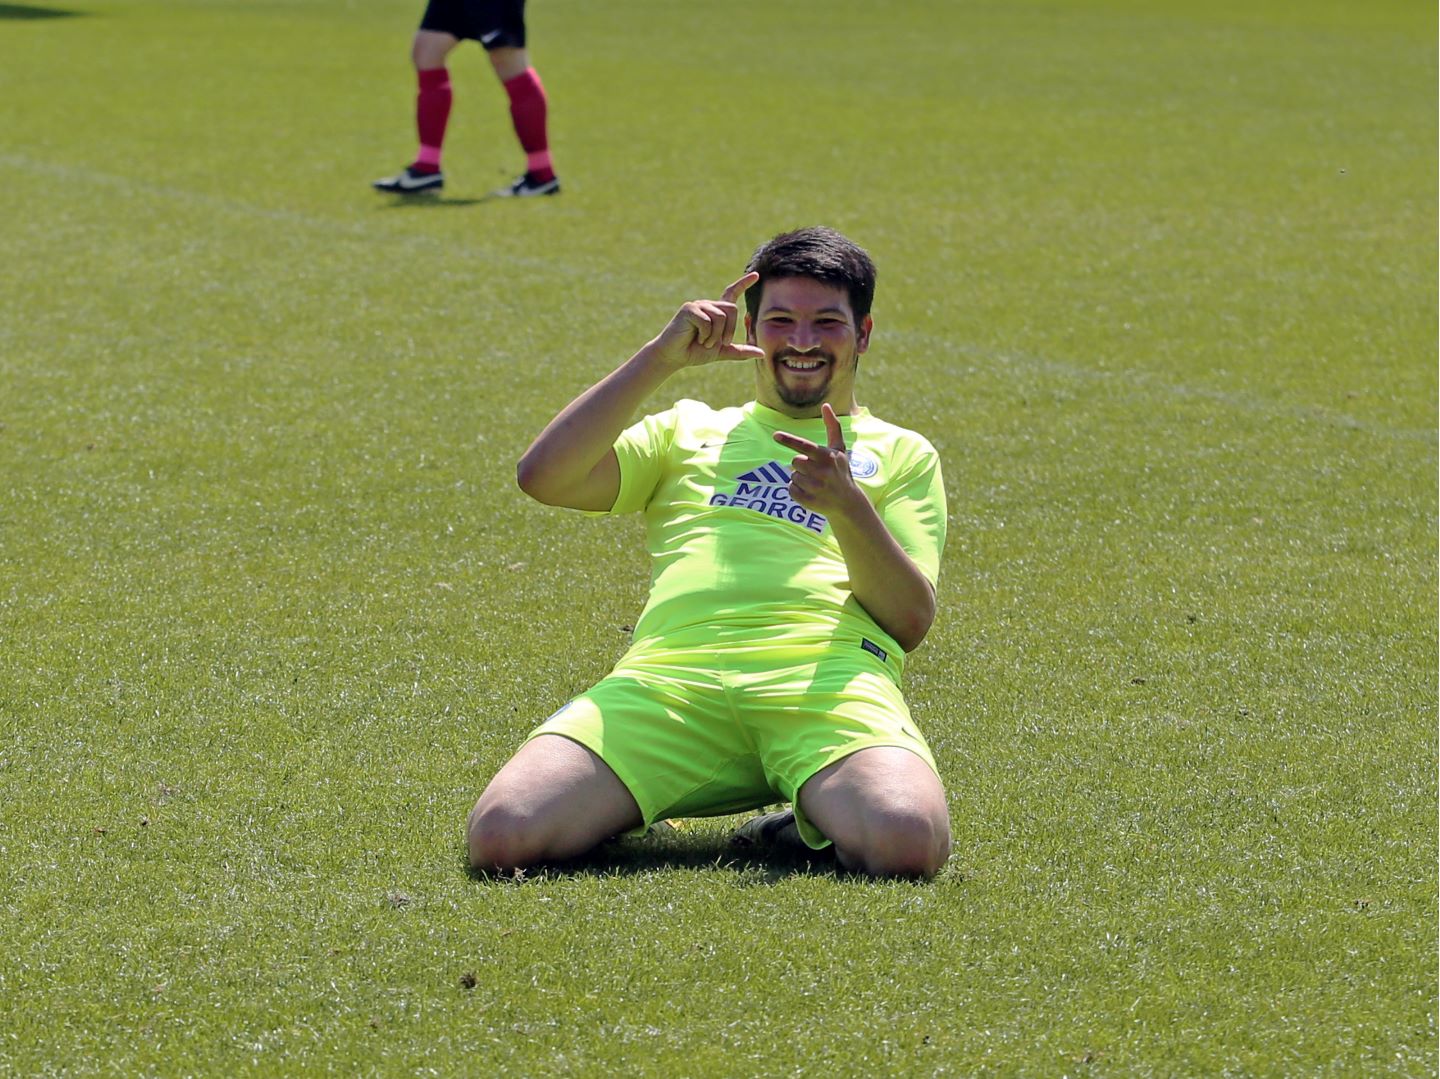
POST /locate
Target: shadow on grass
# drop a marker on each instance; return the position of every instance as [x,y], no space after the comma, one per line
[34,11]
[635,857]
[432,202]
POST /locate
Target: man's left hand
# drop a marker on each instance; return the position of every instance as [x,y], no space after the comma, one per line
[820,475]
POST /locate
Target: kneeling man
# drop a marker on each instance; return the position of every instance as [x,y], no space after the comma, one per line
[795,543]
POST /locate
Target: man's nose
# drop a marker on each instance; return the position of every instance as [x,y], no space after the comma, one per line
[803,337]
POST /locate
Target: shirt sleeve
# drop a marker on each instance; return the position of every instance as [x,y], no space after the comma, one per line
[642,450]
[915,513]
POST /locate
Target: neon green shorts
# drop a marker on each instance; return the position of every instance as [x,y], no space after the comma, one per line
[696,732]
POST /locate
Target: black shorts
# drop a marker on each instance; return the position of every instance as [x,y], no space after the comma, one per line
[496,24]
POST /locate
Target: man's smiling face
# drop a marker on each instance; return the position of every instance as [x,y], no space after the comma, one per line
[812,344]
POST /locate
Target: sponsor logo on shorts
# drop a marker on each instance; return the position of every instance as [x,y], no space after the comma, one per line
[767,490]
[873,648]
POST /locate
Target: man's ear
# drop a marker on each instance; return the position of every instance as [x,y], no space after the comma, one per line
[749,330]
[862,338]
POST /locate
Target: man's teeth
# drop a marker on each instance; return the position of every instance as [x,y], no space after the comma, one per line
[802,365]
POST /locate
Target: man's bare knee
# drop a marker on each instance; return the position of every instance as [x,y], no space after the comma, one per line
[430,49]
[899,842]
[553,800]
[508,62]
[885,810]
[500,838]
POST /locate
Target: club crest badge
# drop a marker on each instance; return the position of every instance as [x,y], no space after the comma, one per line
[863,464]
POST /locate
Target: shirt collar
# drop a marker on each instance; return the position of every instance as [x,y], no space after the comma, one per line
[772,420]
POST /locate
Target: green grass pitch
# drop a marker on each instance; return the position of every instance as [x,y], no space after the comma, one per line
[1158,279]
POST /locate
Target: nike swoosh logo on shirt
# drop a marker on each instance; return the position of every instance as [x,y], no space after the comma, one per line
[491,36]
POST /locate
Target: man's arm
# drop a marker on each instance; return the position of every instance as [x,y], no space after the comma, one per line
[572,462]
[883,578]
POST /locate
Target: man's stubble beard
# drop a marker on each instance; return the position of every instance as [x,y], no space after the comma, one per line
[798,398]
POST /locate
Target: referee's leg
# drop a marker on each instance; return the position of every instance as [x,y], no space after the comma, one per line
[553,800]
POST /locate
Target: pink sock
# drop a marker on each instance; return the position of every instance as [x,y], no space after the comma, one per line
[432,112]
[527,112]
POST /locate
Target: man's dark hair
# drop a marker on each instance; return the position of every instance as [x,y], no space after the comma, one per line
[819,253]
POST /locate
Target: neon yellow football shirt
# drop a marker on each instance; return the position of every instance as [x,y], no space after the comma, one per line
[734,557]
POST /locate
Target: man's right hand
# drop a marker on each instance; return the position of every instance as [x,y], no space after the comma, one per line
[573,462]
[703,331]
